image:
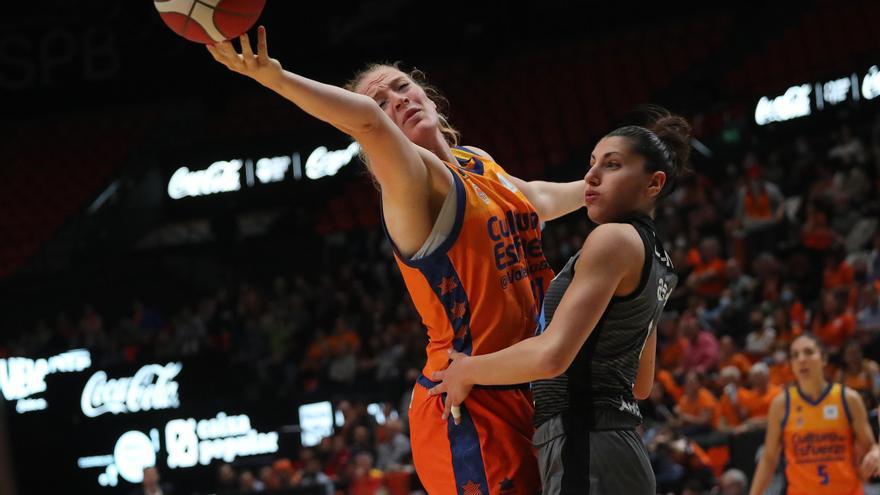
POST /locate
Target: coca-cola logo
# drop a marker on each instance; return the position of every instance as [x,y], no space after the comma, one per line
[323,162]
[152,387]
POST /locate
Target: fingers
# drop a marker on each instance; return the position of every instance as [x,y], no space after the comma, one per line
[454,410]
[213,52]
[262,45]
[226,55]
[870,467]
[246,51]
[220,56]
[456,414]
[438,376]
[437,389]
[453,354]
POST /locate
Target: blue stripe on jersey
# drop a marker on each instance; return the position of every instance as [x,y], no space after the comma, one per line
[787,406]
[444,280]
[541,324]
[845,404]
[467,459]
[429,384]
[476,165]
[782,457]
[819,399]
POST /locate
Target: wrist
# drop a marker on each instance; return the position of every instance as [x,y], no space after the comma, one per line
[273,81]
[469,370]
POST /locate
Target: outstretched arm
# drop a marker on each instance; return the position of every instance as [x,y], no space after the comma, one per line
[350,112]
[403,170]
[550,199]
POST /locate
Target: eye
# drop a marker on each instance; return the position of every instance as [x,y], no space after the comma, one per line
[612,165]
[403,86]
[381,103]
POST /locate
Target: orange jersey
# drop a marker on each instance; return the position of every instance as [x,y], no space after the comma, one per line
[727,408]
[757,404]
[838,277]
[739,361]
[757,206]
[703,401]
[818,443]
[481,290]
[835,331]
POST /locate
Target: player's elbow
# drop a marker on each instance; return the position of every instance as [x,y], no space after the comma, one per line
[541,203]
[642,391]
[370,119]
[551,363]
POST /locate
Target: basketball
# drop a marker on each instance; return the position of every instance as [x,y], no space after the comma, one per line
[209,21]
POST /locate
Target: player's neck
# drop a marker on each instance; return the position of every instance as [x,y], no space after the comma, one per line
[813,388]
[441,148]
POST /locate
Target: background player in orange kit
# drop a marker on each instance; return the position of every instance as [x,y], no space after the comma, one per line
[467,239]
[821,427]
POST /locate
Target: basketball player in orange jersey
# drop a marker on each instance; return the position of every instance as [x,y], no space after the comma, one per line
[466,237]
[821,427]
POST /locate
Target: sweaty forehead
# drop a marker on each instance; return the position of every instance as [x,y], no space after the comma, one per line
[380,78]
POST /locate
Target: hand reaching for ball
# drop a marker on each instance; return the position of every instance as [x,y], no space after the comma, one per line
[259,67]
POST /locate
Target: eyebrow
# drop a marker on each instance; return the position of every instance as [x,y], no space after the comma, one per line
[390,83]
[606,155]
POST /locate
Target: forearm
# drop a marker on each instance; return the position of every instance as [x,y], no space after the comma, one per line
[645,375]
[763,474]
[556,199]
[350,112]
[522,362]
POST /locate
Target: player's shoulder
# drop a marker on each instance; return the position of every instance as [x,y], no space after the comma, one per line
[613,245]
[777,406]
[615,235]
[851,395]
[477,151]
[779,399]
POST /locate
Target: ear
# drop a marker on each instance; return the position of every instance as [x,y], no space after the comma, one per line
[656,183]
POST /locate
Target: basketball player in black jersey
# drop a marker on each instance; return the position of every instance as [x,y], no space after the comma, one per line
[594,351]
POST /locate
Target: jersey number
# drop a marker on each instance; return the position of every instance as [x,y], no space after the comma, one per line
[823,474]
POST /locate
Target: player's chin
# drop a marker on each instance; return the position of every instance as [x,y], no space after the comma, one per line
[419,132]
[597,214]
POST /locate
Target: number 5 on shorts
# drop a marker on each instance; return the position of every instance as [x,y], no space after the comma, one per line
[823,474]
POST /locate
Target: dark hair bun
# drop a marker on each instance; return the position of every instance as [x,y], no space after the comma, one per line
[675,132]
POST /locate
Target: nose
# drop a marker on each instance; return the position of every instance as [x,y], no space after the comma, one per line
[592,176]
[401,101]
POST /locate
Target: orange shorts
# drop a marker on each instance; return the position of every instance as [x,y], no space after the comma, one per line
[490,452]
